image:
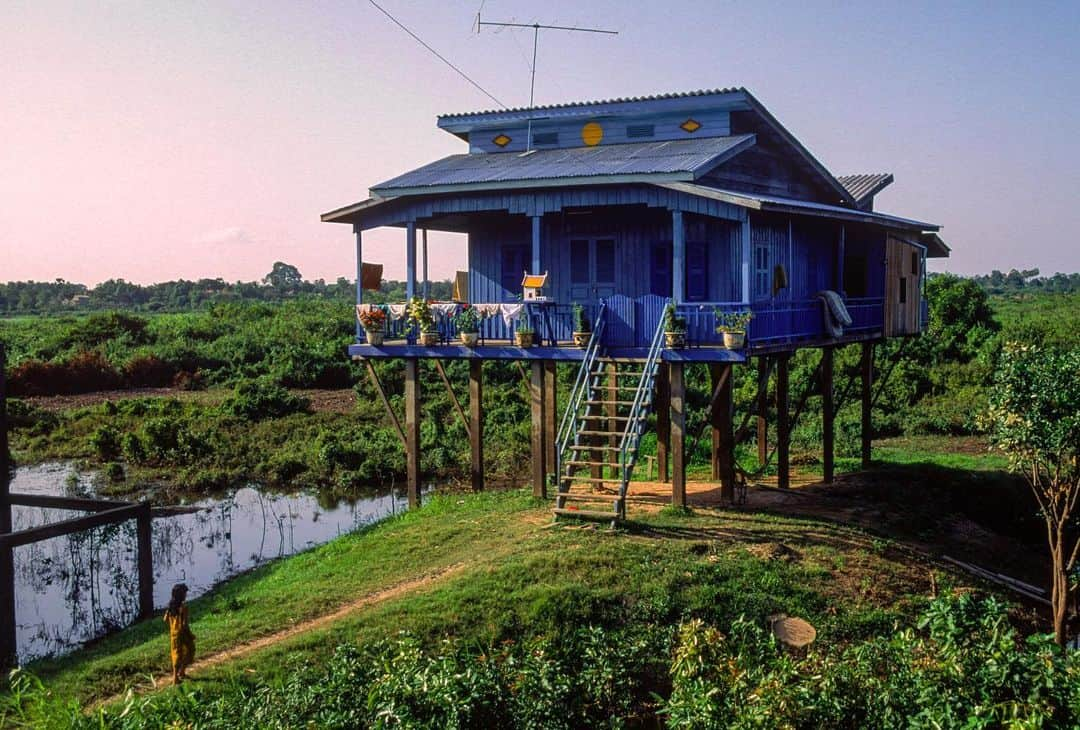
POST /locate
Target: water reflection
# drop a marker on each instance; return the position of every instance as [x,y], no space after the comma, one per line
[71,589]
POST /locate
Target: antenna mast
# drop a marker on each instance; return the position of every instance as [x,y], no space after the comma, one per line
[536,28]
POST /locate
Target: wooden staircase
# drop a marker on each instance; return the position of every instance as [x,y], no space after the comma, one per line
[601,429]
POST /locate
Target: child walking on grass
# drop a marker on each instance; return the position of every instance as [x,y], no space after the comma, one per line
[181,640]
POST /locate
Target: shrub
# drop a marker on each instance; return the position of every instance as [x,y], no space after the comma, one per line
[148,371]
[106,443]
[255,400]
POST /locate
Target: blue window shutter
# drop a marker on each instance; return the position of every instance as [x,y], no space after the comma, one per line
[515,261]
[697,271]
[660,269]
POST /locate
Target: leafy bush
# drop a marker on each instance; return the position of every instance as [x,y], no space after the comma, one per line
[255,400]
[148,371]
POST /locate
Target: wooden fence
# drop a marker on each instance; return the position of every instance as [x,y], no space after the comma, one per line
[100,512]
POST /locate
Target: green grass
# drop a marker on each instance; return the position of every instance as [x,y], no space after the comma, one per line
[520,579]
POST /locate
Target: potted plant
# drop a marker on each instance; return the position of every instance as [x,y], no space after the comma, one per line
[582,326]
[419,313]
[468,325]
[524,335]
[732,325]
[674,328]
[374,323]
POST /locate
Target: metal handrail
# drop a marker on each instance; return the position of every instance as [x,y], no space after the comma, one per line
[636,419]
[580,389]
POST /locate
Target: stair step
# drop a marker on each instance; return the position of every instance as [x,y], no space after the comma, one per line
[594,480]
[578,497]
[599,433]
[609,403]
[574,462]
[620,374]
[585,514]
[584,447]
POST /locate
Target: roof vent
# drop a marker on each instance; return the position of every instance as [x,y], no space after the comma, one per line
[640,130]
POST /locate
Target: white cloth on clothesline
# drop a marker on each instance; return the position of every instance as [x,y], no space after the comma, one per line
[486,309]
[510,312]
[444,309]
[396,311]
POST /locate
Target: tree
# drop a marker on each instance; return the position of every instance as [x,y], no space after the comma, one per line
[1034,417]
[284,277]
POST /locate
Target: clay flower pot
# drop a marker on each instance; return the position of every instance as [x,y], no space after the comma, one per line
[734,340]
[469,339]
[581,339]
[375,337]
[675,340]
[429,339]
[524,339]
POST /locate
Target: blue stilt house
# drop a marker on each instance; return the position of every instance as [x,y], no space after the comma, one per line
[700,199]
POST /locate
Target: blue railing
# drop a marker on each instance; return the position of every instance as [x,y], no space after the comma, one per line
[630,322]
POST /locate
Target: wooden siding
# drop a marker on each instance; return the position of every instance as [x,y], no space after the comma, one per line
[714,123]
[903,290]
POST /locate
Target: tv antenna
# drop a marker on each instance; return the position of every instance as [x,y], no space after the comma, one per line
[536,28]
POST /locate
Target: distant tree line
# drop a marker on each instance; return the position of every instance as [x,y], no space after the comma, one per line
[284,282]
[1028,280]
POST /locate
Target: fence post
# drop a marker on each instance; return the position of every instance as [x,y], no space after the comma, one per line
[7,557]
[146,561]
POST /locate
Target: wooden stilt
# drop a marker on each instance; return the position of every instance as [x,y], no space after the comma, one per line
[763,411]
[716,374]
[663,421]
[476,422]
[783,432]
[145,557]
[678,434]
[551,414]
[536,403]
[828,415]
[867,430]
[7,558]
[726,451]
[412,430]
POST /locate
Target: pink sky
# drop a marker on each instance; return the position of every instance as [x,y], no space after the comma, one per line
[153,141]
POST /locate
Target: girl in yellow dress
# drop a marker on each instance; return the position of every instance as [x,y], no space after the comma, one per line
[181,640]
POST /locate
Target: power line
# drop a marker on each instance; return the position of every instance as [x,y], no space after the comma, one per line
[438,55]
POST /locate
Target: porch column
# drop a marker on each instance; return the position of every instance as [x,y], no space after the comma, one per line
[841,252]
[536,244]
[359,276]
[747,253]
[678,257]
[410,259]
[426,286]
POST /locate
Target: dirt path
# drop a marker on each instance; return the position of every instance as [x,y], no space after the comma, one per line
[249,647]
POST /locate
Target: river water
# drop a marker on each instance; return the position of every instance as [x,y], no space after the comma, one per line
[69,590]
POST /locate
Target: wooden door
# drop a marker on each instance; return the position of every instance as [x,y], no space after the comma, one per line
[903,287]
[592,269]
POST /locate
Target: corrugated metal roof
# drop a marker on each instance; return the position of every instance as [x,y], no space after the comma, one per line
[596,102]
[772,202]
[684,156]
[862,187]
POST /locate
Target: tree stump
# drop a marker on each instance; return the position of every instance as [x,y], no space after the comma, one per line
[794,634]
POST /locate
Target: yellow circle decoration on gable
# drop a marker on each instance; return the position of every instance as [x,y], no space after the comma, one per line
[591,134]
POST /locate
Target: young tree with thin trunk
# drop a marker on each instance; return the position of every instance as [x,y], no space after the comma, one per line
[1034,417]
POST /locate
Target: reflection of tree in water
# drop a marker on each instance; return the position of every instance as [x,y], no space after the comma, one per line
[71,589]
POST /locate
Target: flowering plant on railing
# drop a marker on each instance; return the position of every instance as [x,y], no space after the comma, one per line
[468,320]
[732,321]
[673,322]
[581,320]
[419,313]
[372,320]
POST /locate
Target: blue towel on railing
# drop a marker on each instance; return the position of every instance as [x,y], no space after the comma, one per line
[835,312]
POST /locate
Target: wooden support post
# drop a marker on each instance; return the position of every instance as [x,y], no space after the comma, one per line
[536,403]
[783,432]
[663,420]
[867,387]
[678,434]
[412,430]
[7,556]
[763,411]
[476,422]
[145,557]
[426,287]
[535,257]
[725,407]
[716,373]
[828,415]
[551,414]
[678,257]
